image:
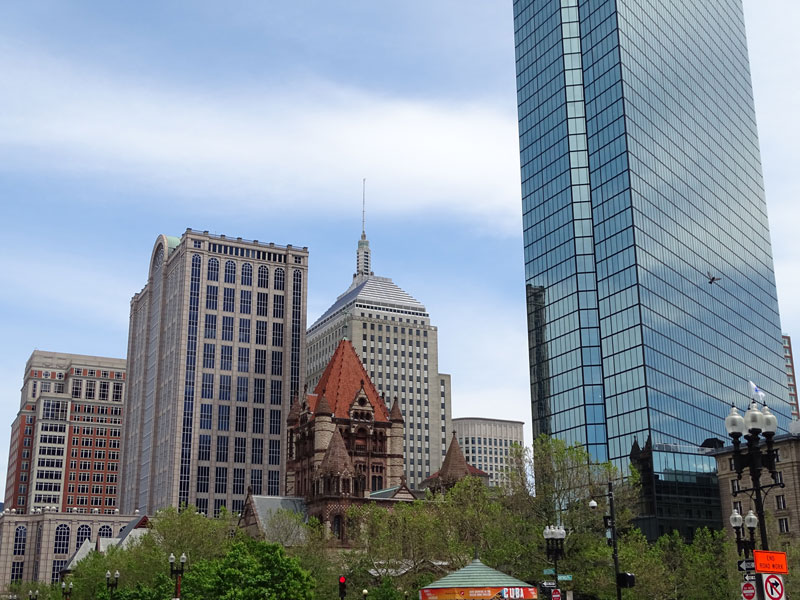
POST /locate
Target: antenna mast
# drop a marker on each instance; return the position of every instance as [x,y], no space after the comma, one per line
[363,205]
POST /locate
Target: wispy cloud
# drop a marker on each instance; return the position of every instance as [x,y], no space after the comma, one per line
[261,148]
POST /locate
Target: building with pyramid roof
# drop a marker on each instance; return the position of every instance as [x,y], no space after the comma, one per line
[345,447]
[393,337]
[454,468]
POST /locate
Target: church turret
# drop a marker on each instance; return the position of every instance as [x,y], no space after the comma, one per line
[324,428]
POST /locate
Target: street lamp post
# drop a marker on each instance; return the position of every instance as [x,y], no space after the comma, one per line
[610,521]
[33,594]
[554,536]
[176,571]
[365,592]
[66,591]
[754,423]
[744,546]
[111,584]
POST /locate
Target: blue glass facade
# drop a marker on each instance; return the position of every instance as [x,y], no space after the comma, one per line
[641,173]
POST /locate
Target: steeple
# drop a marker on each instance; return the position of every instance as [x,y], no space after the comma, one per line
[363,266]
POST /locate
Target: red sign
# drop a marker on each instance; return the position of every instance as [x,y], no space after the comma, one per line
[767,561]
[479,593]
[773,587]
[748,590]
[555,595]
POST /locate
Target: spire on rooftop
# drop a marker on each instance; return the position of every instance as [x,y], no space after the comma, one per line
[363,266]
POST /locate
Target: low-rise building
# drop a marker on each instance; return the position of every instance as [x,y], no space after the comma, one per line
[783,503]
[37,546]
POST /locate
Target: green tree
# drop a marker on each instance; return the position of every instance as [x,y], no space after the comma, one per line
[143,564]
[250,570]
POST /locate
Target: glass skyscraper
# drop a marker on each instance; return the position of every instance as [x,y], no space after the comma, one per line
[641,183]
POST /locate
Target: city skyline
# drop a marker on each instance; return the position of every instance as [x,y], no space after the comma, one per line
[141,165]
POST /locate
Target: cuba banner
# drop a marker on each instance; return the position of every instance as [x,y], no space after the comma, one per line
[479,593]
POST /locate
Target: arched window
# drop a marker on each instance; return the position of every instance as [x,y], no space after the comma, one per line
[61,545]
[105,532]
[263,277]
[337,527]
[213,269]
[279,279]
[20,536]
[84,533]
[247,274]
[230,272]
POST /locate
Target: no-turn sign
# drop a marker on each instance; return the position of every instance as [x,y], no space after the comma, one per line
[748,590]
[773,587]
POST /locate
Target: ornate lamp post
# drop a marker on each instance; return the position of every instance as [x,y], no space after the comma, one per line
[111,584]
[554,536]
[743,545]
[755,422]
[176,571]
[33,594]
[365,592]
[66,591]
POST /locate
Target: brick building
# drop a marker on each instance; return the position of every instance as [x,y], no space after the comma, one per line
[65,440]
[345,446]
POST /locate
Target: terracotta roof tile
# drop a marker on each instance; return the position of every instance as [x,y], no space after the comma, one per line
[342,380]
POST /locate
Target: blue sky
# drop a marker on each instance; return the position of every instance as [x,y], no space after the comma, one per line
[121,121]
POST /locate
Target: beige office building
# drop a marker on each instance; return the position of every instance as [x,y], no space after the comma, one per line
[65,441]
[215,354]
[398,346]
[486,443]
[38,545]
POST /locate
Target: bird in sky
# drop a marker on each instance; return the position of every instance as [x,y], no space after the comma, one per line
[712,278]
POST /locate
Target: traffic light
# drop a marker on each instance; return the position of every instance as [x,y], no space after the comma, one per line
[342,586]
[626,580]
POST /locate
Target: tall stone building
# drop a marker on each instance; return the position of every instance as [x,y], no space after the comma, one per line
[648,264]
[398,346]
[65,441]
[215,354]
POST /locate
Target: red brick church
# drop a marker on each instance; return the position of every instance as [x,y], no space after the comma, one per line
[345,446]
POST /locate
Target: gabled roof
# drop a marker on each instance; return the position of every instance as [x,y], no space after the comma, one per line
[477,574]
[336,459]
[342,380]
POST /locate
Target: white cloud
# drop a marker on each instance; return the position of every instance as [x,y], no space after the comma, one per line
[259,148]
